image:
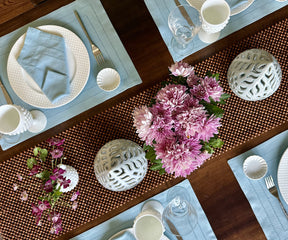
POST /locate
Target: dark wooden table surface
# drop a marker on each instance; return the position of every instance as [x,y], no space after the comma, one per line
[223,201]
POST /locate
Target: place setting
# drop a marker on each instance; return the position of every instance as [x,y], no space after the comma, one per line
[189,26]
[66,66]
[171,215]
[262,175]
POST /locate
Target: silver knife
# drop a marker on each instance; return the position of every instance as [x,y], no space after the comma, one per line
[6,95]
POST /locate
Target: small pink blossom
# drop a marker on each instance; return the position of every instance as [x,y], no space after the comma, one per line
[15,187]
[20,178]
[55,141]
[181,69]
[43,205]
[74,196]
[57,152]
[74,205]
[24,196]
[57,172]
[34,170]
[64,182]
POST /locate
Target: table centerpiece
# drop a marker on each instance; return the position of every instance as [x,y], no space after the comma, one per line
[180,126]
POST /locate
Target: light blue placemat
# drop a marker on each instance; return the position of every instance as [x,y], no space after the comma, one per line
[125,220]
[104,36]
[160,10]
[266,207]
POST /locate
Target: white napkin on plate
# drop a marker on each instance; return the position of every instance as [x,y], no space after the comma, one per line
[43,57]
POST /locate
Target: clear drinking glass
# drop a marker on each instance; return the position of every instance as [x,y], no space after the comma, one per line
[179,216]
[184,23]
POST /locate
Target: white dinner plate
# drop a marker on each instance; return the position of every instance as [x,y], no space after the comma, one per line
[78,63]
[282,175]
[131,231]
[198,3]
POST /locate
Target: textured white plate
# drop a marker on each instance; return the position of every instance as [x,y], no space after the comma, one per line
[198,3]
[79,68]
[108,79]
[282,175]
[255,167]
[131,231]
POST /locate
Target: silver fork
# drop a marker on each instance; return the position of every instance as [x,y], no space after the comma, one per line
[95,50]
[273,190]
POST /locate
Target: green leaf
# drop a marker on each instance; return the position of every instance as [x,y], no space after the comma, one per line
[213,109]
[36,150]
[44,175]
[31,162]
[224,97]
[43,154]
[156,167]
[162,171]
[216,142]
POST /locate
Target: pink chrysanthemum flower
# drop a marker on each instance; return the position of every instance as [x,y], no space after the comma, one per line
[200,93]
[212,88]
[192,80]
[172,96]
[178,157]
[191,121]
[142,121]
[181,69]
[210,128]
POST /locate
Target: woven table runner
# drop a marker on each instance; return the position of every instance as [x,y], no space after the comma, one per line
[242,121]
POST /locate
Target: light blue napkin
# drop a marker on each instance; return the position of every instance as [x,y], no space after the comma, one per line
[124,236]
[236,3]
[43,57]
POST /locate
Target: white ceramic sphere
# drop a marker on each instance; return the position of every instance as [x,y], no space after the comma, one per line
[120,165]
[254,75]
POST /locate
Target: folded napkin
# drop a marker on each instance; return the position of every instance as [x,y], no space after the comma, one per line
[43,57]
[124,236]
[236,3]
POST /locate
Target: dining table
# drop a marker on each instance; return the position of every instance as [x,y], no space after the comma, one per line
[245,124]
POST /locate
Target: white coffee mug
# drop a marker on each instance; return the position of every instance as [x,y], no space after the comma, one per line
[148,224]
[215,15]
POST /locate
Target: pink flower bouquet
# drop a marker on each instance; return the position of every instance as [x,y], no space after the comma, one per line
[180,126]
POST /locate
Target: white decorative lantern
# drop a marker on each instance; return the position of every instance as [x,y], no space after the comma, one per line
[254,75]
[70,173]
[120,165]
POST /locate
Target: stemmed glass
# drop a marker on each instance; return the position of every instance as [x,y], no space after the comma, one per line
[179,216]
[184,23]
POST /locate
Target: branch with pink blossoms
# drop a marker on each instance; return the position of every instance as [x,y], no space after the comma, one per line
[180,127]
[52,180]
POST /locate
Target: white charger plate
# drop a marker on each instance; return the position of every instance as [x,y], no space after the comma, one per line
[282,175]
[131,231]
[78,63]
[198,4]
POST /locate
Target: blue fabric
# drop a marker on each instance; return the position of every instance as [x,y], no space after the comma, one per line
[160,10]
[124,220]
[124,236]
[43,57]
[264,205]
[237,3]
[103,34]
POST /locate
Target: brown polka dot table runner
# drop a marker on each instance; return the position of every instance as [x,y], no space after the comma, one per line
[243,120]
